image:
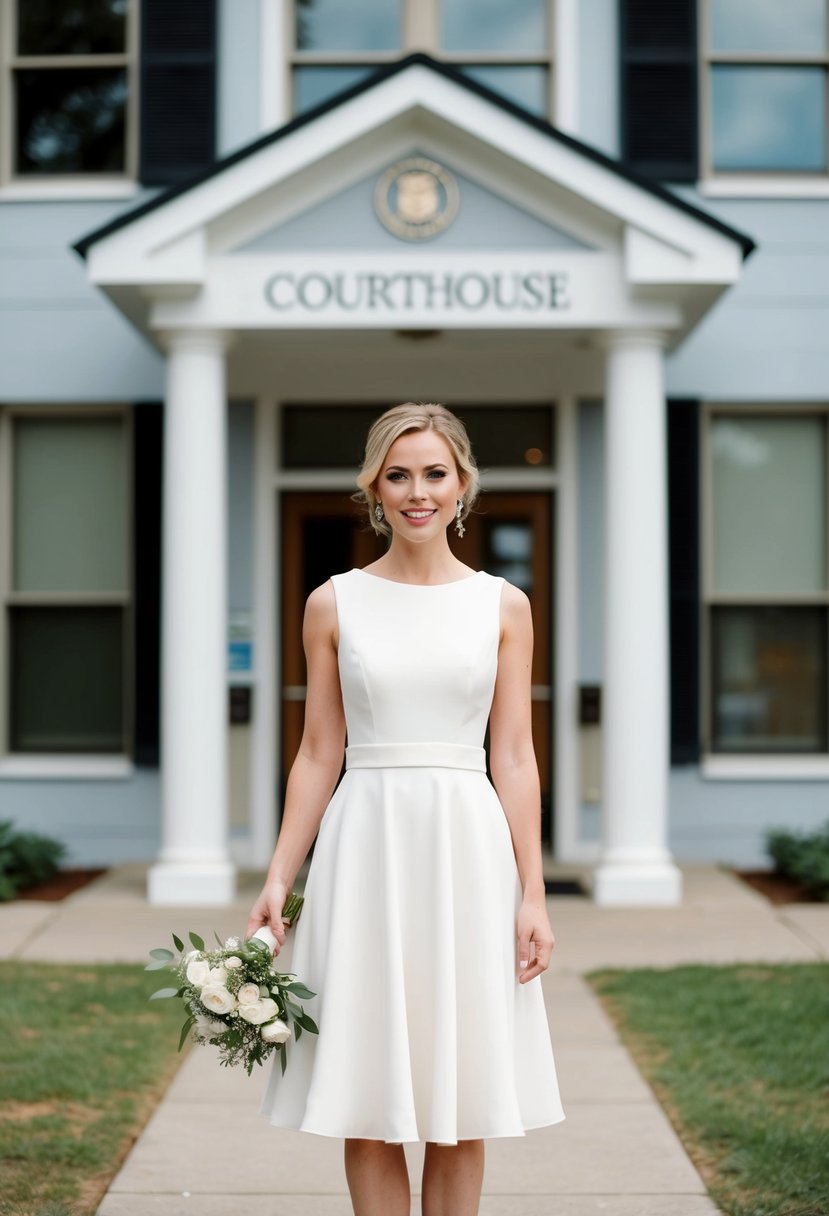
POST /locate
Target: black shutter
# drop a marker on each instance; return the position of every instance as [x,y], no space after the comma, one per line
[683,543]
[146,481]
[659,121]
[178,89]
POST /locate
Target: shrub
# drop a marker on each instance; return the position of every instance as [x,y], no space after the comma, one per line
[802,856]
[26,858]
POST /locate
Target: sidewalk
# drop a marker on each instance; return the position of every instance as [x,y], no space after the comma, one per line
[616,1153]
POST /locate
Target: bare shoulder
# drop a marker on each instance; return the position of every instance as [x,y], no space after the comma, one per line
[321,611]
[516,616]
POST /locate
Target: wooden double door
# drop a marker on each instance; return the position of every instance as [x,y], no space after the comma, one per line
[508,534]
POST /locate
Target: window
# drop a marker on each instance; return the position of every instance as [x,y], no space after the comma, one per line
[765,86]
[766,582]
[67,602]
[70,86]
[505,47]
[332,436]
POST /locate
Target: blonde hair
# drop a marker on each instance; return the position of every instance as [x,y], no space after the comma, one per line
[401,420]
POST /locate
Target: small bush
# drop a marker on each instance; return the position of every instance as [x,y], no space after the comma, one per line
[26,858]
[803,857]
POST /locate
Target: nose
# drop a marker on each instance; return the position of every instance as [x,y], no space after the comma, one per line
[415,491]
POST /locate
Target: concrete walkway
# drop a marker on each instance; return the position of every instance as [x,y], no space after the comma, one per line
[616,1154]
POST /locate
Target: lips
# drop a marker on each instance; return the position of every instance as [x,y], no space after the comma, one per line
[419,514]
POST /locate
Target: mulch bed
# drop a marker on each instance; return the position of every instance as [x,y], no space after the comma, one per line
[777,888]
[64,883]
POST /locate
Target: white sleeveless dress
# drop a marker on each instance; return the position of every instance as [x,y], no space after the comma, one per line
[407,934]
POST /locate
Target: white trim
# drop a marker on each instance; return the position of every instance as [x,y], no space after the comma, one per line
[564,65]
[762,186]
[566,844]
[764,768]
[274,560]
[264,739]
[70,189]
[273,65]
[58,767]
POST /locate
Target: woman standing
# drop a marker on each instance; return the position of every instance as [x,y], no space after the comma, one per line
[425,925]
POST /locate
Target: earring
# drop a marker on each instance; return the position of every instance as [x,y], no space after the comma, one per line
[378,512]
[458,522]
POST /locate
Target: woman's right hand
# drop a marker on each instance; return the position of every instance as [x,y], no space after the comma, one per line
[268,911]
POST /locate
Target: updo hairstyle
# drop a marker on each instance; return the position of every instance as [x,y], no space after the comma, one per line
[402,420]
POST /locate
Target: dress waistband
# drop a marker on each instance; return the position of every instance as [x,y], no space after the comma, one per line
[415,755]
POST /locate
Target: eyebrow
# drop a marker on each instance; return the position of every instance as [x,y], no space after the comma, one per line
[401,468]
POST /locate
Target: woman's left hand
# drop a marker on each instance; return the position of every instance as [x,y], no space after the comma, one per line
[535,939]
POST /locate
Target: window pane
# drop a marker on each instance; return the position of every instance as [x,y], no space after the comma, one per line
[69,505]
[491,25]
[769,503]
[70,120]
[333,437]
[66,680]
[768,25]
[71,27]
[360,25]
[769,118]
[315,85]
[769,679]
[527,85]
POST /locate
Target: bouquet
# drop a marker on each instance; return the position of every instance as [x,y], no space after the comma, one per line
[234,997]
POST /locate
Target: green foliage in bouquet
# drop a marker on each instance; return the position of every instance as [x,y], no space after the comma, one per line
[235,998]
[803,857]
[26,858]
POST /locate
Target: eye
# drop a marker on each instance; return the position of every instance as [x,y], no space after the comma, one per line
[395,476]
[439,473]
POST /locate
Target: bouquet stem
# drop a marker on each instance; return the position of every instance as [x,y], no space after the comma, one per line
[292,907]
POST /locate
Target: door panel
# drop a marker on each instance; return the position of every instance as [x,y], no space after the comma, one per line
[508,534]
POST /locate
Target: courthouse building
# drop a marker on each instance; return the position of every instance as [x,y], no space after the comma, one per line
[233,232]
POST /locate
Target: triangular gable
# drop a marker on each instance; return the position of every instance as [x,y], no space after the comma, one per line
[374,82]
[634,253]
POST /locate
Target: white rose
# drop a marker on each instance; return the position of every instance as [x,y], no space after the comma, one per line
[233,963]
[275,1032]
[217,999]
[198,972]
[261,1012]
[208,1028]
[248,994]
[218,975]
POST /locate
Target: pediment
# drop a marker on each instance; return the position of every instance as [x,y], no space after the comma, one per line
[351,219]
[525,190]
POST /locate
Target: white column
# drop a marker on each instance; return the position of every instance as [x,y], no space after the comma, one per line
[194,866]
[635,866]
[264,733]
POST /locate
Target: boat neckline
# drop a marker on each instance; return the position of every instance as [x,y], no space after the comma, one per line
[397,583]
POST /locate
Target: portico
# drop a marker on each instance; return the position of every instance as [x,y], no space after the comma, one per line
[559,277]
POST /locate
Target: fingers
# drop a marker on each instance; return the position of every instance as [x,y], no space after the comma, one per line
[533,958]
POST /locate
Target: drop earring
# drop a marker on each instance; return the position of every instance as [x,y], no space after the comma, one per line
[378,513]
[458,521]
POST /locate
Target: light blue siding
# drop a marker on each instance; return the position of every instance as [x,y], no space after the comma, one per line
[61,339]
[766,340]
[100,822]
[239,74]
[598,74]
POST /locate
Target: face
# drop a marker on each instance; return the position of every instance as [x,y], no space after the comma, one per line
[419,485]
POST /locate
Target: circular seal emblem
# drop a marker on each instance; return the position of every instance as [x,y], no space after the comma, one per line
[416,198]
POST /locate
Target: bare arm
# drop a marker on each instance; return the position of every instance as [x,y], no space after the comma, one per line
[515,777]
[317,765]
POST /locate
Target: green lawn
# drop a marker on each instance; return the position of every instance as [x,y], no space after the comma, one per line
[83,1060]
[739,1058]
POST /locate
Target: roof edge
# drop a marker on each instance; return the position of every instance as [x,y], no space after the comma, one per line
[384,73]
